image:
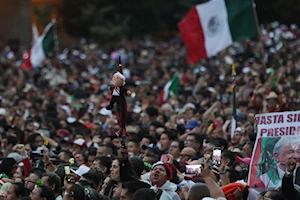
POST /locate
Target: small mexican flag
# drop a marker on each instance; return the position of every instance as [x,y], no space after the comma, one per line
[170,89]
[210,27]
[41,48]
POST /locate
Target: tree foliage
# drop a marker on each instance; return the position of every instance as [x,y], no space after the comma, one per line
[106,20]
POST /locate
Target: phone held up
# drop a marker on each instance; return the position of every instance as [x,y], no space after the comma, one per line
[217,156]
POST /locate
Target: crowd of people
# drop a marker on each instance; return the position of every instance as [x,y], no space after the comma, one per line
[58,139]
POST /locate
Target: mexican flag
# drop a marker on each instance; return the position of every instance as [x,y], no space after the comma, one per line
[232,90]
[41,48]
[170,89]
[210,27]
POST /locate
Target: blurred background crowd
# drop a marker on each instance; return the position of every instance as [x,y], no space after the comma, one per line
[55,116]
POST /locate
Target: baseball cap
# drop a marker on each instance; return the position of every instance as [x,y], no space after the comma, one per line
[17,157]
[81,170]
[63,133]
[80,142]
[192,124]
[152,147]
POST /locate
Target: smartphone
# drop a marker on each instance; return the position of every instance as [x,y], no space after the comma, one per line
[217,156]
[67,170]
[164,158]
[193,169]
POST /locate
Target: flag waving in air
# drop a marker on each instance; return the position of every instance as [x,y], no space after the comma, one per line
[210,27]
[40,49]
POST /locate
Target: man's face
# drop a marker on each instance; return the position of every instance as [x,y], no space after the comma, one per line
[101,151]
[164,142]
[287,151]
[133,148]
[62,114]
[45,181]
[191,142]
[30,181]
[95,129]
[236,138]
[174,149]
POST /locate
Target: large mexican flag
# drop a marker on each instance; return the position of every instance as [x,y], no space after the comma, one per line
[41,48]
[210,27]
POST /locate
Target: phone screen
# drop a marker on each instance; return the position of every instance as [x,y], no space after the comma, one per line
[164,158]
[67,170]
[217,156]
[193,169]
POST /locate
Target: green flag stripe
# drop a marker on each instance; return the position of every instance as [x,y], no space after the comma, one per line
[173,89]
[241,19]
[48,42]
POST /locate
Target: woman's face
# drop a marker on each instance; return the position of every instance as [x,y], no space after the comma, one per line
[115,170]
[35,194]
[117,189]
[18,173]
[158,175]
[10,194]
[39,141]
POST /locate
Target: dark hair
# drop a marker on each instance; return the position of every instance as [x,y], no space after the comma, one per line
[126,170]
[47,192]
[92,151]
[7,166]
[151,138]
[105,162]
[180,143]
[198,137]
[94,177]
[135,141]
[53,178]
[137,164]
[152,111]
[172,134]
[19,189]
[67,152]
[276,195]
[144,193]
[31,138]
[229,155]
[133,186]
[37,171]
[12,140]
[78,192]
[251,144]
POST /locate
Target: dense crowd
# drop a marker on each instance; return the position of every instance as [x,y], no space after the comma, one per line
[58,139]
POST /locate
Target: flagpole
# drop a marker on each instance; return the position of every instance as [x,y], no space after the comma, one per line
[255,16]
[233,121]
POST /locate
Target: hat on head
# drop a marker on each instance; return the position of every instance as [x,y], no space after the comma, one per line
[66,109]
[192,124]
[167,167]
[152,147]
[272,95]
[80,142]
[17,157]
[81,170]
[63,133]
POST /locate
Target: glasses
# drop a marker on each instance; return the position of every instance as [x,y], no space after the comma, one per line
[29,181]
[173,147]
[189,141]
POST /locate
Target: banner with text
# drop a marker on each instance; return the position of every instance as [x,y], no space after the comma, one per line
[278,138]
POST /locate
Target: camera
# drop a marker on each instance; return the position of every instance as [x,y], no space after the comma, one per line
[36,154]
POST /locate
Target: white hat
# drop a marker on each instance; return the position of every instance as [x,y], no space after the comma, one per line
[66,109]
[80,142]
[17,157]
[2,111]
[105,112]
[81,170]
